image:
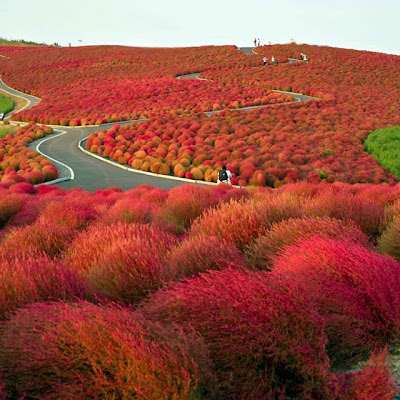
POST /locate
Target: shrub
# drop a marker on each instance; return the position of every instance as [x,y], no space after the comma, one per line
[196,255]
[67,214]
[186,203]
[47,238]
[121,262]
[374,381]
[264,343]
[29,279]
[81,351]
[389,241]
[260,254]
[130,210]
[241,222]
[356,290]
[10,204]
[365,213]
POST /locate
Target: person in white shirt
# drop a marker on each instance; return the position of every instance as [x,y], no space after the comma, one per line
[273,60]
[265,61]
[224,176]
[1,116]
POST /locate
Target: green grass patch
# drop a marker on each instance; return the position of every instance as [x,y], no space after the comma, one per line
[6,104]
[384,145]
[21,42]
[6,130]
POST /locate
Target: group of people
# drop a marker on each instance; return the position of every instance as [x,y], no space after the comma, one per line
[265,61]
[257,42]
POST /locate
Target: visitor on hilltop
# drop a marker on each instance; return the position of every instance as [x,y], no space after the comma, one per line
[224,176]
[255,42]
[302,56]
[273,60]
[265,61]
[305,57]
[259,43]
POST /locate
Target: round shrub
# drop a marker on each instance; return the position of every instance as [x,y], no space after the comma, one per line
[241,222]
[121,262]
[10,204]
[47,238]
[67,214]
[196,255]
[130,210]
[365,213]
[355,289]
[82,351]
[389,241]
[29,279]
[264,343]
[260,254]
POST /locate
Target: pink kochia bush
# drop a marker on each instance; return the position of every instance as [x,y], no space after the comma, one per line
[264,343]
[260,254]
[121,262]
[355,289]
[26,280]
[82,351]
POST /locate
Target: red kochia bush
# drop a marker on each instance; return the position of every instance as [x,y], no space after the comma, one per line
[357,290]
[264,343]
[374,381]
[68,214]
[196,255]
[124,262]
[25,280]
[10,204]
[365,213]
[130,210]
[82,351]
[48,238]
[260,253]
[241,222]
[186,203]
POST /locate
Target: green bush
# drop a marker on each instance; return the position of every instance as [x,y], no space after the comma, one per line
[6,104]
[384,145]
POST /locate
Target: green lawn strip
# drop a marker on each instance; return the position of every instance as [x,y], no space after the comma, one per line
[384,145]
[6,130]
[6,104]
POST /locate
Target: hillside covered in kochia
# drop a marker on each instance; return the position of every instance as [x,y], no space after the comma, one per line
[358,93]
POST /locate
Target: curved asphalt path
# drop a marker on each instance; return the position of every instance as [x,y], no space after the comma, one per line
[91,173]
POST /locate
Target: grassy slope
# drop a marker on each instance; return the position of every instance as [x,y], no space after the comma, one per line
[384,145]
[5,42]
[6,104]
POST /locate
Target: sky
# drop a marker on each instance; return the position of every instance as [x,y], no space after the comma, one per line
[357,24]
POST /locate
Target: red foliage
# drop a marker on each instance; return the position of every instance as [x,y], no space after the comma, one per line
[47,238]
[196,255]
[10,205]
[374,381]
[25,280]
[240,223]
[260,254]
[21,166]
[264,343]
[356,289]
[80,351]
[121,262]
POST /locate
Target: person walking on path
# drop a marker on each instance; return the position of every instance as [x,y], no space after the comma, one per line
[273,60]
[224,176]
[265,61]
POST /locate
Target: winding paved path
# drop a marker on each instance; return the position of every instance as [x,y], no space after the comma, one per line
[90,173]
